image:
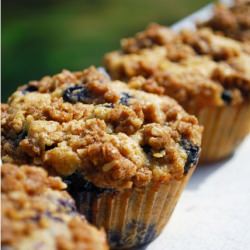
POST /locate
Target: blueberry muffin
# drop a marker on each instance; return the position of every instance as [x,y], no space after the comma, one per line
[38,214]
[233,22]
[208,74]
[125,154]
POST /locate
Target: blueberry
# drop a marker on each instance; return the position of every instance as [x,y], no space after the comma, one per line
[145,233]
[114,237]
[36,217]
[19,137]
[192,154]
[76,183]
[52,216]
[69,205]
[29,88]
[49,147]
[76,94]
[146,149]
[226,96]
[125,98]
[150,234]
[109,105]
[48,214]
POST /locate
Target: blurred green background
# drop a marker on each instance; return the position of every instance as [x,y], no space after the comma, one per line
[41,37]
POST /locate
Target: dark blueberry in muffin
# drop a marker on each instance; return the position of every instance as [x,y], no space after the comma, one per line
[29,88]
[125,98]
[36,217]
[76,94]
[114,236]
[67,204]
[77,184]
[192,153]
[146,149]
[49,147]
[145,233]
[48,214]
[226,96]
[51,216]
[19,137]
[109,105]
[150,233]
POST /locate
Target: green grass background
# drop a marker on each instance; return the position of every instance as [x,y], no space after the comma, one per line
[44,37]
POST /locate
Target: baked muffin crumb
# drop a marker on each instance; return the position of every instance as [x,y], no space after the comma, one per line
[196,68]
[85,123]
[37,212]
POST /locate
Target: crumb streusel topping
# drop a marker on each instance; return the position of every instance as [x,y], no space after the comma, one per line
[233,22]
[38,214]
[202,41]
[205,42]
[197,68]
[114,136]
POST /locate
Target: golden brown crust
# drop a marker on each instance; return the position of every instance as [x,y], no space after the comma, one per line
[233,22]
[36,211]
[203,69]
[202,41]
[155,34]
[205,42]
[83,122]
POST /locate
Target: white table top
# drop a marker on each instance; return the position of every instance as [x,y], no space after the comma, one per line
[214,210]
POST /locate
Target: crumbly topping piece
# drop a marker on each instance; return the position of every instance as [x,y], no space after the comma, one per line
[233,22]
[38,213]
[205,42]
[236,76]
[83,122]
[147,61]
[155,34]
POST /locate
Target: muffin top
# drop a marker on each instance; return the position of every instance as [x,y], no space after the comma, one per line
[115,137]
[233,22]
[38,214]
[197,68]
[202,41]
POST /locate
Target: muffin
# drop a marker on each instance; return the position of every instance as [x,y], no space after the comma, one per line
[125,154]
[233,22]
[207,74]
[38,214]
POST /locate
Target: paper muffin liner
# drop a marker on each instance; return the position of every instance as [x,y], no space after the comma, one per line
[133,218]
[224,129]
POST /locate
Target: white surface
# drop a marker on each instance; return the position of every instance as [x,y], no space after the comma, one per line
[202,15]
[214,210]
[189,22]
